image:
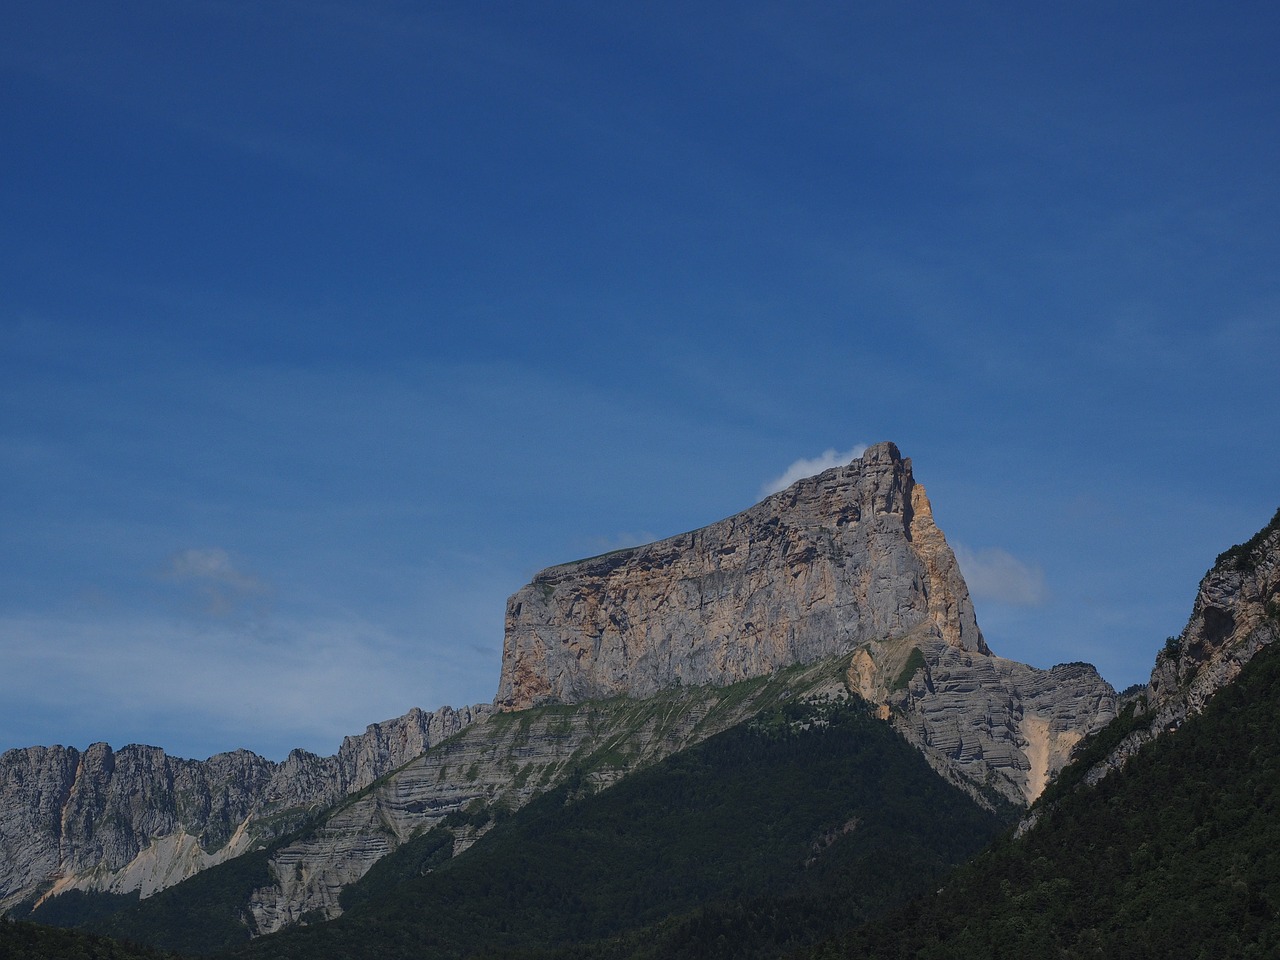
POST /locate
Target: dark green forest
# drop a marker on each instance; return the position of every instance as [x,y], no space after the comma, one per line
[30,941]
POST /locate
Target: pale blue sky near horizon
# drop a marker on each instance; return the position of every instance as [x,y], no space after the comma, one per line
[324,326]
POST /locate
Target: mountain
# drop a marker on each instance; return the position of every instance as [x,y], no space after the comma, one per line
[1235,615]
[832,562]
[846,562]
[466,784]
[842,584]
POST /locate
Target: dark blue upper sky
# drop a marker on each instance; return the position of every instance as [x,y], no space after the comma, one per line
[325,325]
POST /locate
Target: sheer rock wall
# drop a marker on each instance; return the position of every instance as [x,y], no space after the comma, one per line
[835,560]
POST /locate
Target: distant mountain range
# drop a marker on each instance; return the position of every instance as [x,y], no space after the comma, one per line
[789,717]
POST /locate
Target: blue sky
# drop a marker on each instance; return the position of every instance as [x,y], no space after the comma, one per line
[326,325]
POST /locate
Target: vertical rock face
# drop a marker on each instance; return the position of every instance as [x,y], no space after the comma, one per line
[835,560]
[848,563]
[138,819]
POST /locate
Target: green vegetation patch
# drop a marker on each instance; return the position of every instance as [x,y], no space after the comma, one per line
[1246,556]
[200,915]
[30,941]
[915,661]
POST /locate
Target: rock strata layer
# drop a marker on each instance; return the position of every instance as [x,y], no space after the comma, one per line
[995,724]
[849,556]
[136,819]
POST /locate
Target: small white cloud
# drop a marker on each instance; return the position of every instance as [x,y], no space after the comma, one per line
[807,468]
[996,575]
[220,588]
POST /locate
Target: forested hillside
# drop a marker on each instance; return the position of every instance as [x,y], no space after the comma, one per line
[820,808]
[31,941]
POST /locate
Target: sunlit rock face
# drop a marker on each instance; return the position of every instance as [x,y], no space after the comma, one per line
[848,556]
[849,562]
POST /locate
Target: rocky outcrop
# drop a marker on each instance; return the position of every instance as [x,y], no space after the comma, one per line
[1235,614]
[989,725]
[138,819]
[836,560]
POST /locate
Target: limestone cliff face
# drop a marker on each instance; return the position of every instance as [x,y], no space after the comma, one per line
[138,819]
[984,721]
[833,561]
[847,563]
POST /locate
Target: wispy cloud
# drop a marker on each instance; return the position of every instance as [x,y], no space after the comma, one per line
[197,689]
[209,577]
[808,467]
[996,575]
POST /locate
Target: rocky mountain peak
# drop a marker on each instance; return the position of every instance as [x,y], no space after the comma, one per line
[835,560]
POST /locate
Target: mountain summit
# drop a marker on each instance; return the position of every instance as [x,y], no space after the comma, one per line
[835,560]
[848,563]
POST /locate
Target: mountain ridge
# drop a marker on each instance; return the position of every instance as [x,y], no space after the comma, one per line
[844,573]
[1161,838]
[1235,615]
[139,819]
